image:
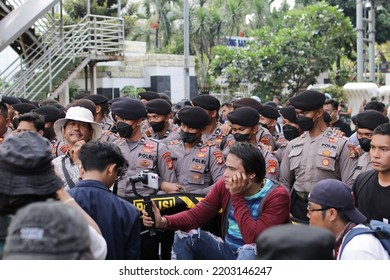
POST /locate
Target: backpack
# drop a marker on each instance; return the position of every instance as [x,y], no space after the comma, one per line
[379,229]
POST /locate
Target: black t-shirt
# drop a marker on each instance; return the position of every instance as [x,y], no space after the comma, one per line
[372,199]
[343,127]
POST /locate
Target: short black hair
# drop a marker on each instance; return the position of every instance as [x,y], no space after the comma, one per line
[227,104]
[252,159]
[383,129]
[334,103]
[98,155]
[3,110]
[375,105]
[35,118]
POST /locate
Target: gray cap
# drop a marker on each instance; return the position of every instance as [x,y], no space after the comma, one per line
[47,230]
[25,166]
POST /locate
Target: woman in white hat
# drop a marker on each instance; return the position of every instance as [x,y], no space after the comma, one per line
[75,129]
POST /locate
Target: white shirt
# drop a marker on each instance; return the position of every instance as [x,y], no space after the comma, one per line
[98,244]
[363,247]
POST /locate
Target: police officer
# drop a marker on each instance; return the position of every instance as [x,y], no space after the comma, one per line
[366,122]
[146,96]
[244,122]
[159,119]
[212,133]
[141,152]
[269,119]
[50,114]
[263,135]
[197,166]
[102,111]
[315,155]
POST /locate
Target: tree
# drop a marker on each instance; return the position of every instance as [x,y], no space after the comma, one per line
[289,53]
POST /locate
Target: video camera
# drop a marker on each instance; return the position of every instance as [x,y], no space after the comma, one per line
[148,179]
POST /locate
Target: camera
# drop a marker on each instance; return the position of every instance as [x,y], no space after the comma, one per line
[148,179]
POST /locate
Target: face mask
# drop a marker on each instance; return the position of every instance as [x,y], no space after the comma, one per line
[125,130]
[188,137]
[290,132]
[48,133]
[264,125]
[15,122]
[157,126]
[305,123]
[365,144]
[242,137]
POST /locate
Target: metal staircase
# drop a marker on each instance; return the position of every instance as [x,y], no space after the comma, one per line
[60,53]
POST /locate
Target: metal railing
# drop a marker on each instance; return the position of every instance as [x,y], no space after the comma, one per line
[93,37]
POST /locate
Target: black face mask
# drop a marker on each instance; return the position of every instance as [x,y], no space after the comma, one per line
[305,123]
[265,125]
[242,137]
[157,126]
[188,137]
[365,144]
[48,133]
[290,132]
[15,122]
[125,130]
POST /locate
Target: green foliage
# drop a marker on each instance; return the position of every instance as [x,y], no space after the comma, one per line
[290,52]
[131,91]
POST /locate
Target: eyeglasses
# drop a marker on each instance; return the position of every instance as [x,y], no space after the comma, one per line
[309,209]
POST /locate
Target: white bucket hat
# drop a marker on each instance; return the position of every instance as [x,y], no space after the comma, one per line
[80,114]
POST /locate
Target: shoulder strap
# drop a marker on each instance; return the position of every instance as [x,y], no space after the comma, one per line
[223,142]
[360,182]
[352,234]
[274,186]
[66,174]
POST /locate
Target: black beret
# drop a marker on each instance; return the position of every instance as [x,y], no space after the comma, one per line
[148,95]
[97,98]
[24,107]
[244,116]
[24,100]
[308,100]
[128,108]
[194,117]
[158,106]
[271,103]
[165,97]
[207,102]
[295,242]
[49,112]
[10,100]
[270,112]
[327,118]
[248,102]
[370,119]
[289,113]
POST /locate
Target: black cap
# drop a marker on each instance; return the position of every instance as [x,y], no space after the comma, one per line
[97,98]
[244,116]
[128,108]
[270,112]
[295,242]
[271,103]
[207,102]
[10,100]
[158,106]
[24,100]
[148,95]
[166,97]
[289,113]
[194,117]
[49,112]
[308,100]
[370,119]
[248,102]
[24,107]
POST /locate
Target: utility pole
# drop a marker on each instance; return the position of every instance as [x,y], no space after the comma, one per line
[186,51]
[359,43]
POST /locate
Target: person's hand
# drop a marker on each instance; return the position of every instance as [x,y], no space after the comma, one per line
[172,187]
[158,220]
[337,132]
[74,151]
[239,183]
[266,147]
[225,128]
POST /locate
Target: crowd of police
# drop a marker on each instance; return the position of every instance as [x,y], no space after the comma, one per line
[303,142]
